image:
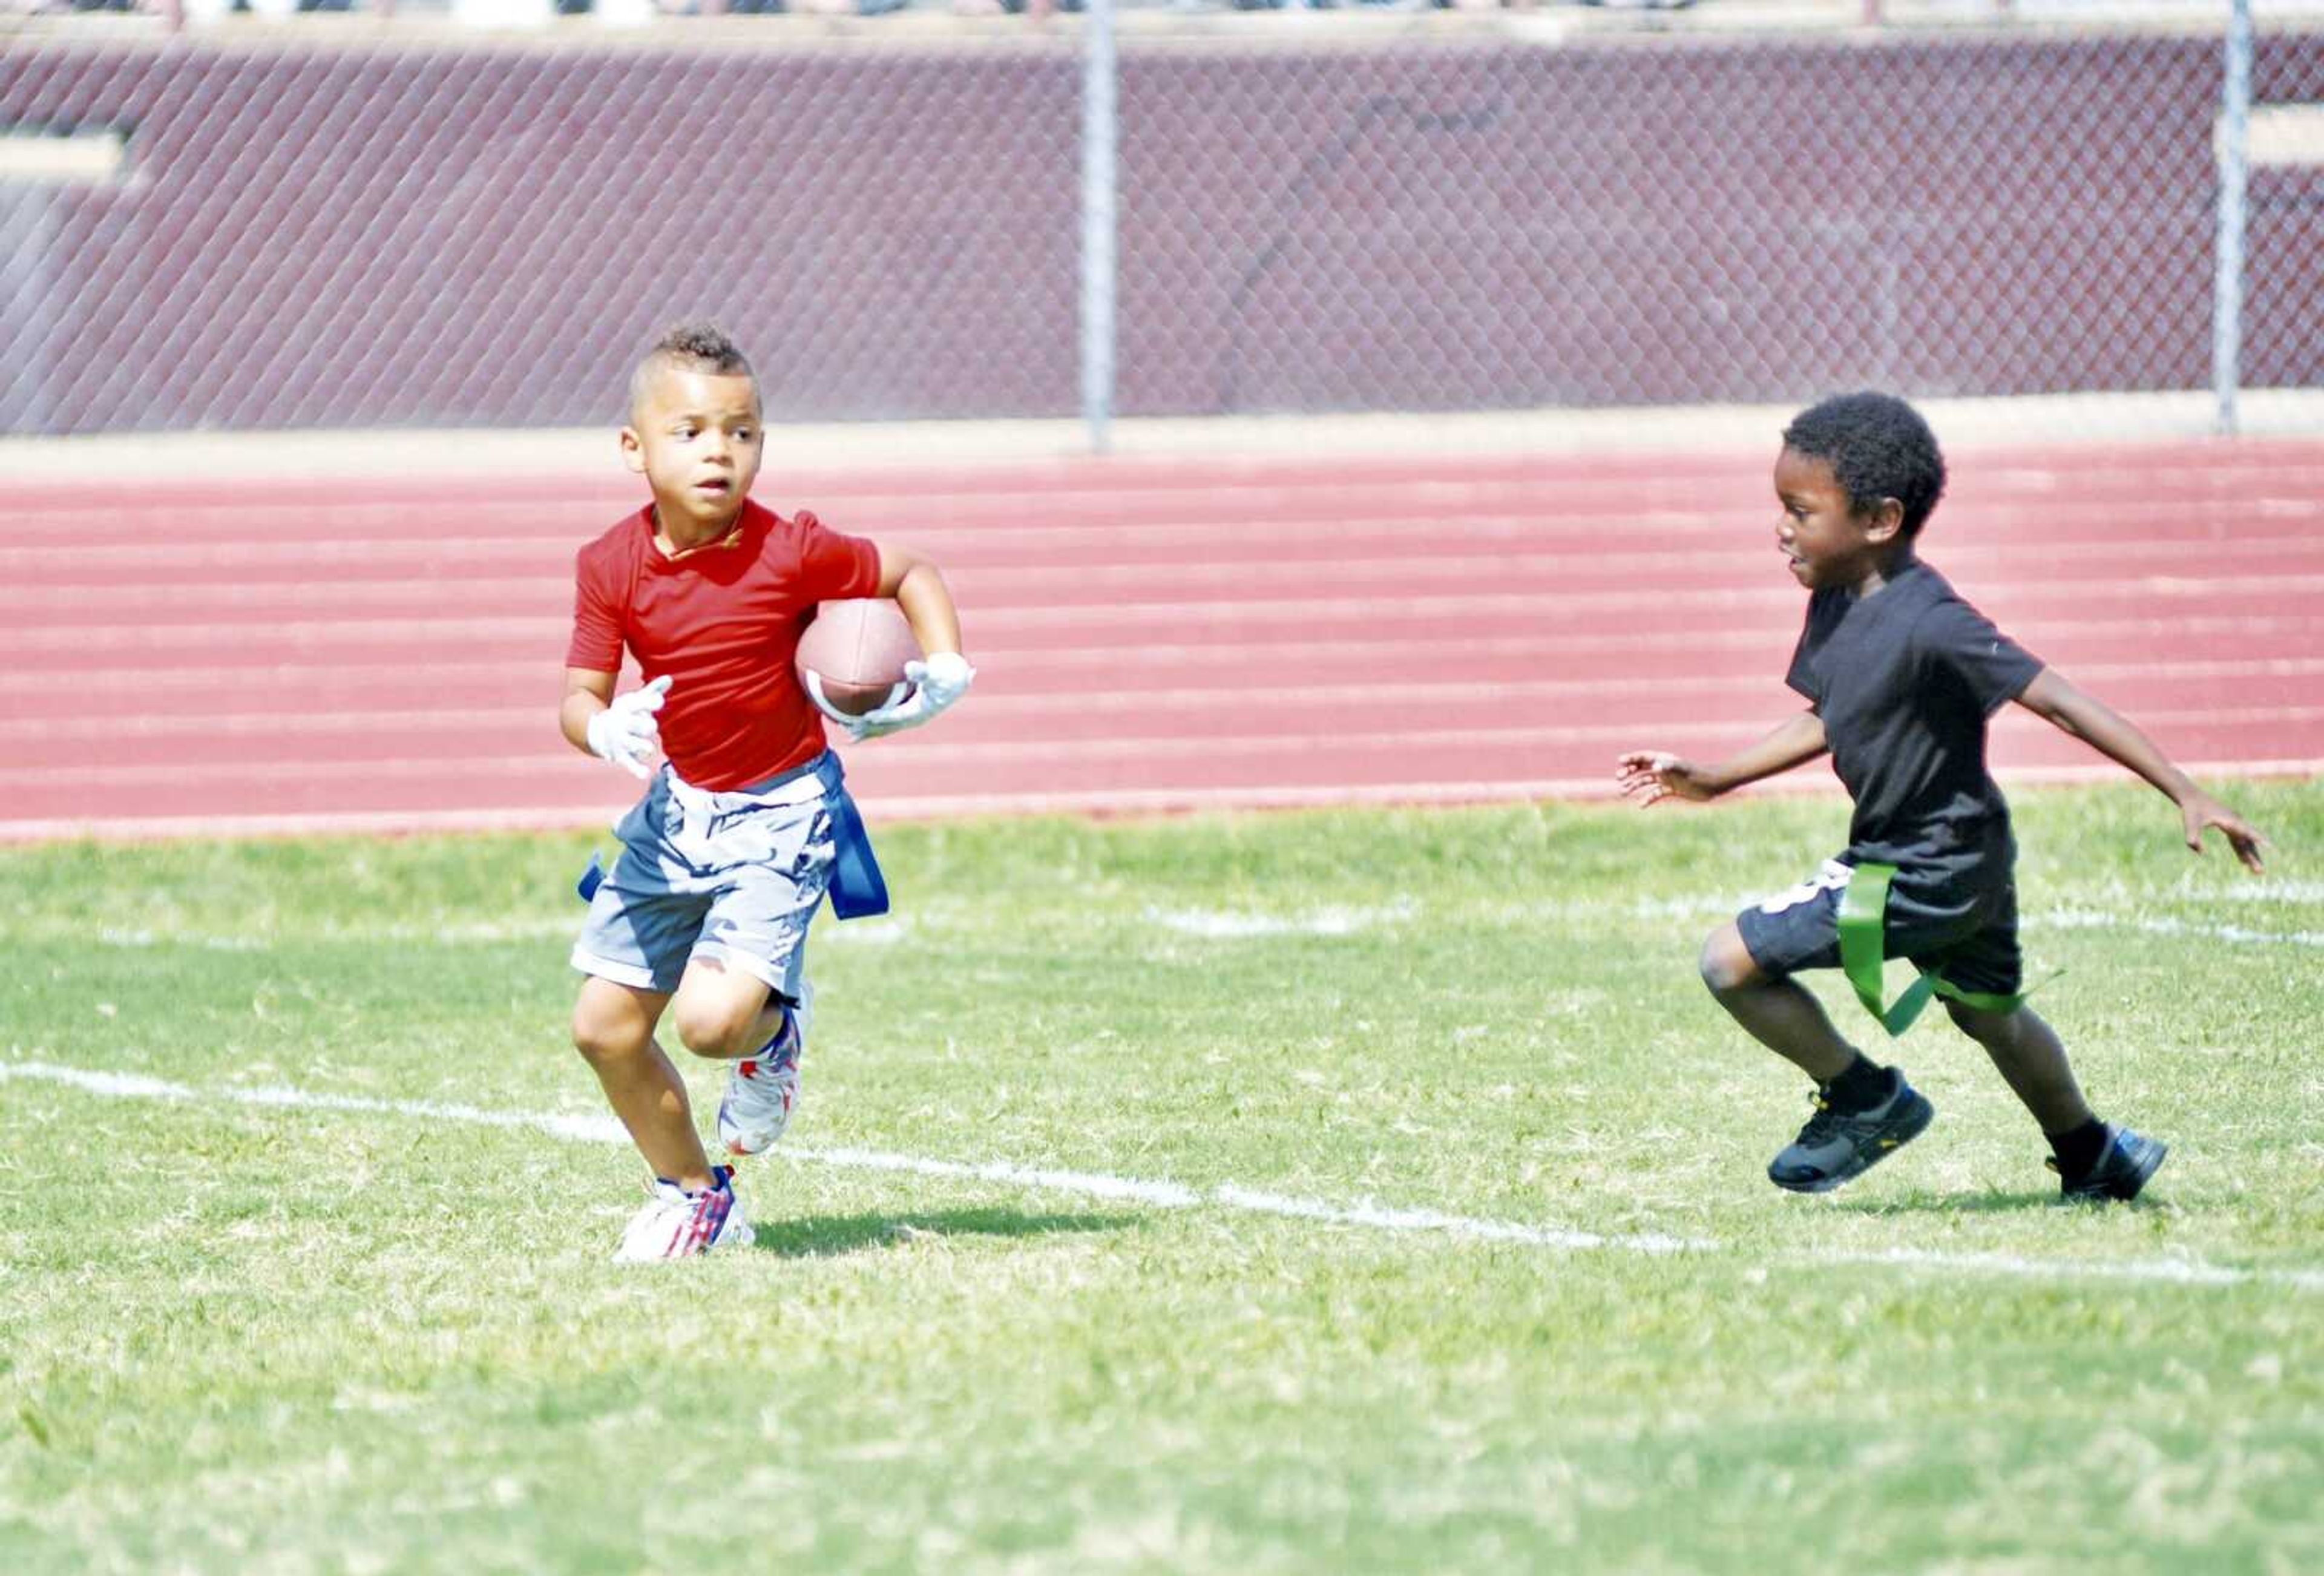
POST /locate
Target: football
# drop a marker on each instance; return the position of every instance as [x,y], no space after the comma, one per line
[855,652]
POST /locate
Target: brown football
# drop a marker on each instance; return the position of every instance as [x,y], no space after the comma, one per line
[857,650]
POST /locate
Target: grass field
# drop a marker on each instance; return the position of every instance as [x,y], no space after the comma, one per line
[244,1331]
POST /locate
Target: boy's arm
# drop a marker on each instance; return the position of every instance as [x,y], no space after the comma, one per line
[2056,701]
[586,693]
[1652,775]
[942,675]
[920,589]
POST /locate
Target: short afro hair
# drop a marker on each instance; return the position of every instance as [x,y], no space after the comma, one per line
[1879,447]
[697,347]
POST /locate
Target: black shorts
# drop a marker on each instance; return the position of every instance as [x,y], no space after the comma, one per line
[1968,939]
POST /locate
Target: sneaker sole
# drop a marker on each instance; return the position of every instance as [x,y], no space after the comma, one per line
[735,1146]
[1923,1113]
[728,1130]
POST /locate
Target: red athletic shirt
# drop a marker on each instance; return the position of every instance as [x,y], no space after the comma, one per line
[723,621]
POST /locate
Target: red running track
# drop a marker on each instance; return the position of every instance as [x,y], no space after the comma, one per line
[271,656]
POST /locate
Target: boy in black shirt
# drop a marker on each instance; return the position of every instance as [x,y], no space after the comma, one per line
[1900,674]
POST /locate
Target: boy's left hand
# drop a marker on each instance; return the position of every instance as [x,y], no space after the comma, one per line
[937,684]
[2199,810]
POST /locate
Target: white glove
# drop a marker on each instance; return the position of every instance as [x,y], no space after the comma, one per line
[625,732]
[937,685]
[812,682]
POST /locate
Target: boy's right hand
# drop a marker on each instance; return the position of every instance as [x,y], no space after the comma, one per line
[2199,810]
[625,732]
[1652,775]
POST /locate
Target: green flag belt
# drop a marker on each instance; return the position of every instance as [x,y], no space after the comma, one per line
[1863,949]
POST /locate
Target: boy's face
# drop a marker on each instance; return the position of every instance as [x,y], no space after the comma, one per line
[1828,541]
[694,436]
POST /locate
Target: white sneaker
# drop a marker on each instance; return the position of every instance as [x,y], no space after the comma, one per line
[677,1225]
[762,1087]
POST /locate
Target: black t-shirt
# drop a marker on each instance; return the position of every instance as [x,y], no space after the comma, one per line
[1905,679]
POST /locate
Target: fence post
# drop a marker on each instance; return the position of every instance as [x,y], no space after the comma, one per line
[2232,146]
[1101,133]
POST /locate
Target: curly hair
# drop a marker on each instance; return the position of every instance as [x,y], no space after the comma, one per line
[1879,447]
[697,347]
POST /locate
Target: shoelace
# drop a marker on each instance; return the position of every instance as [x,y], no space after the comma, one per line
[711,1207]
[1825,1119]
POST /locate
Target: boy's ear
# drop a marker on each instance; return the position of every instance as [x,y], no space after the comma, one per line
[1885,520]
[633,451]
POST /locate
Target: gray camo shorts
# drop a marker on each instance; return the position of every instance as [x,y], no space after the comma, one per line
[727,876]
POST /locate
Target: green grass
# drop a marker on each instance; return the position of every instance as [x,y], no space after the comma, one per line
[239,1337]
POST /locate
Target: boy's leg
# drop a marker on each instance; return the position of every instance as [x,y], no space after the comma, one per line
[1775,1010]
[723,1013]
[612,1028]
[2094,1159]
[743,998]
[738,1019]
[1863,1111]
[2032,1061]
[762,1085]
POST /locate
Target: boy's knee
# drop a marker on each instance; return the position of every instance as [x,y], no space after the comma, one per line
[1726,963]
[1981,1024]
[714,1030]
[601,1040]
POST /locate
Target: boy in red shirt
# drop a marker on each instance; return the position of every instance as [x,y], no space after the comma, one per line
[725,859]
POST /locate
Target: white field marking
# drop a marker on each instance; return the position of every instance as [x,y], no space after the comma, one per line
[2098,919]
[1373,1217]
[2269,889]
[1232,925]
[1218,924]
[882,932]
[590,1130]
[540,928]
[134,938]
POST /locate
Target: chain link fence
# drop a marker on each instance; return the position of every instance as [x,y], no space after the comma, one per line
[306,225]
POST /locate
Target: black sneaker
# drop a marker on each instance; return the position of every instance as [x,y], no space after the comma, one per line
[1835,1146]
[2122,1168]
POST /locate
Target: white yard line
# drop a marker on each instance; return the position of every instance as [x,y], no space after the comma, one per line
[1363,1216]
[1243,924]
[1230,924]
[2095,920]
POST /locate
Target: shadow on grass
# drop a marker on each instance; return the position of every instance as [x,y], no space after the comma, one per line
[1983,1205]
[820,1235]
